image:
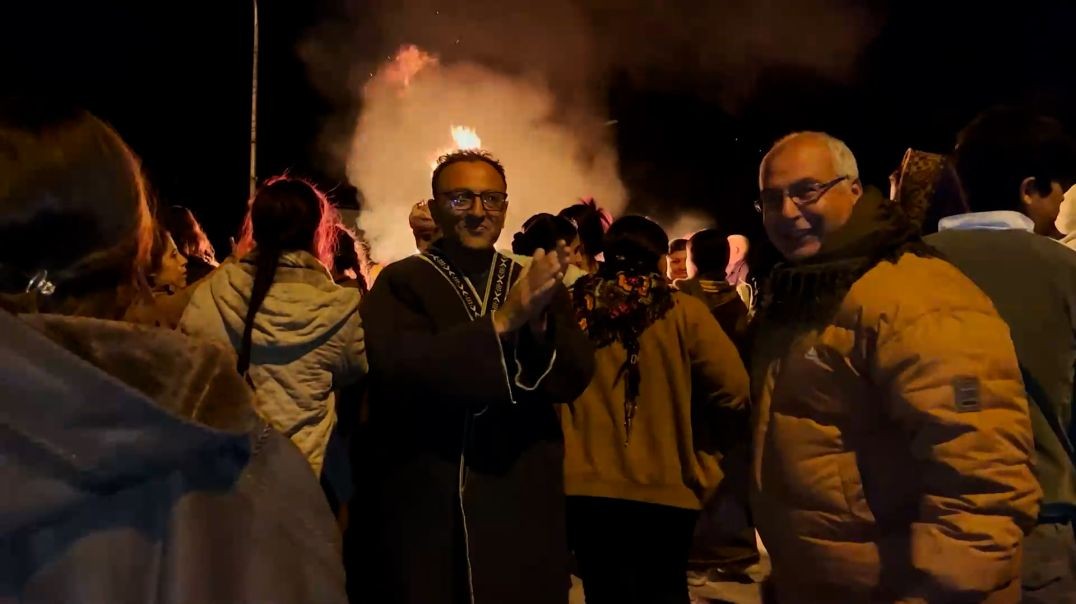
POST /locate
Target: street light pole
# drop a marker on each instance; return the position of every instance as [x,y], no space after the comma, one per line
[254,109]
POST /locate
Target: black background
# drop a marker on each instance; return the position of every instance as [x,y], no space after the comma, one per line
[174,79]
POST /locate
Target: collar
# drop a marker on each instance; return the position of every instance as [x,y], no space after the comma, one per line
[1001,220]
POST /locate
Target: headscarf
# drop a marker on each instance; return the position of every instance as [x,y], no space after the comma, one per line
[928,189]
[618,306]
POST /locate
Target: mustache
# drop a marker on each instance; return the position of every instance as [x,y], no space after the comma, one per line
[472,221]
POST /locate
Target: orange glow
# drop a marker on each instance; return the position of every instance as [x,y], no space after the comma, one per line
[464,137]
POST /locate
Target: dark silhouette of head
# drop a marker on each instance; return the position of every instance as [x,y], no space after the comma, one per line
[635,245]
[73,210]
[708,254]
[542,231]
[187,233]
[1012,159]
[591,222]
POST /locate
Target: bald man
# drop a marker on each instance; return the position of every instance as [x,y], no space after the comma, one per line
[892,439]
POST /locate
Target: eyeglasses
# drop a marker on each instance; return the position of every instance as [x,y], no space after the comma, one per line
[802,193]
[463,200]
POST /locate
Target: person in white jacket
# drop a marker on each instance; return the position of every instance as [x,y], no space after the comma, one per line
[1066,218]
[298,335]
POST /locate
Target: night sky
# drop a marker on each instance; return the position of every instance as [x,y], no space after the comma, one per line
[174,79]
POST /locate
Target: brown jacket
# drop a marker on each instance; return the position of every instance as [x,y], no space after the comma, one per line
[892,445]
[137,471]
[692,398]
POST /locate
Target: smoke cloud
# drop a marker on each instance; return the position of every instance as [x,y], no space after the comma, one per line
[532,79]
[410,107]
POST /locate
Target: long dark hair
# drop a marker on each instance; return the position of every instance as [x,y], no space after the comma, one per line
[286,215]
[74,210]
[542,231]
[190,239]
[591,222]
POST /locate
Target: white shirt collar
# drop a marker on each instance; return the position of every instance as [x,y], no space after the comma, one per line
[1001,220]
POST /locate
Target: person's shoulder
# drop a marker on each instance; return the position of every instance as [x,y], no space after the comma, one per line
[916,285]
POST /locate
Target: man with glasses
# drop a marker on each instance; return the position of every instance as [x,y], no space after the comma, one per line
[469,353]
[892,439]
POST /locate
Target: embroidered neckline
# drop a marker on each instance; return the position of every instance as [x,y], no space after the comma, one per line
[496,286]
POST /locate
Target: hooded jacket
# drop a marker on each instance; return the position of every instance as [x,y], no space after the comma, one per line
[893,444]
[136,470]
[307,341]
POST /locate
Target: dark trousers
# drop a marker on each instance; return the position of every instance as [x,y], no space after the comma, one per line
[1049,562]
[631,552]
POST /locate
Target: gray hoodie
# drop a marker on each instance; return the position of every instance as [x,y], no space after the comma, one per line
[307,342]
[135,470]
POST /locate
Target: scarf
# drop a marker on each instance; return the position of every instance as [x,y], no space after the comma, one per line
[618,307]
[802,296]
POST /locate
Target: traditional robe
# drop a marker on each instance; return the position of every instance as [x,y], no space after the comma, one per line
[468,495]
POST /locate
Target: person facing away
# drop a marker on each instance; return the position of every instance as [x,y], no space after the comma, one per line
[347,263]
[542,232]
[677,260]
[137,468]
[644,441]
[926,188]
[707,260]
[190,240]
[469,355]
[298,335]
[422,226]
[590,222]
[892,442]
[1014,162]
[1066,219]
[738,271]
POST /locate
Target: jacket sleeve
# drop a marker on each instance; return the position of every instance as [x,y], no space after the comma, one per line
[354,364]
[952,383]
[719,378]
[559,368]
[462,365]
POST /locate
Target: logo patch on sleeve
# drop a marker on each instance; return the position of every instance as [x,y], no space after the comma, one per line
[966,394]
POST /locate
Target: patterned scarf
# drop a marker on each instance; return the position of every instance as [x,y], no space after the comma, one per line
[618,307]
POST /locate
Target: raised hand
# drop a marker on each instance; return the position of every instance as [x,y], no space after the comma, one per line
[532,292]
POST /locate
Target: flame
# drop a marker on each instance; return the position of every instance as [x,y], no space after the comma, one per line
[408,62]
[465,137]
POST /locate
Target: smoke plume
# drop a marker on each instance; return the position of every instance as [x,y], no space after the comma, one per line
[412,107]
[532,79]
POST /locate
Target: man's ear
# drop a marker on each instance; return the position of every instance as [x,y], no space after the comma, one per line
[1028,190]
[857,189]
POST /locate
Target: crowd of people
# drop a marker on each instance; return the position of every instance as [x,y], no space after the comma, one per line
[890,407]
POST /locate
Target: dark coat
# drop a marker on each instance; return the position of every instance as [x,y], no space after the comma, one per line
[468,495]
[135,470]
[1032,282]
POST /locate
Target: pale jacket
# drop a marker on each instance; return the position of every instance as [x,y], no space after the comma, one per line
[1066,218]
[307,342]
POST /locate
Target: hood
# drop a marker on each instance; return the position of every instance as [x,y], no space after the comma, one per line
[92,407]
[302,306]
[1066,215]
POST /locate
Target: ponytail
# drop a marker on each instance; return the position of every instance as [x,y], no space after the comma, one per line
[265,263]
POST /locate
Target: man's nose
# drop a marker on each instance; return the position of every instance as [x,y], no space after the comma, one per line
[477,209]
[789,209]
